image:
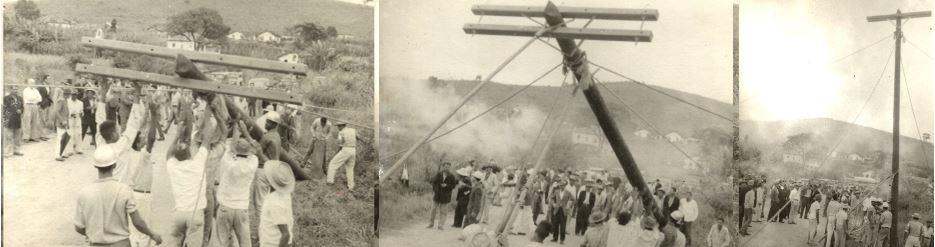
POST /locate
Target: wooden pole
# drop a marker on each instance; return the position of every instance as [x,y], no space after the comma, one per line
[578,64]
[894,189]
[186,69]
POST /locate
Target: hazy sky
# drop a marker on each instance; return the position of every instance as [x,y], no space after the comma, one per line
[690,51]
[788,68]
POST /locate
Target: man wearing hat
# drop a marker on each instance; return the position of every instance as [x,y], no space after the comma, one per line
[60,119]
[886,220]
[236,173]
[840,225]
[596,236]
[112,137]
[347,156]
[75,113]
[276,218]
[88,125]
[442,184]
[914,231]
[561,201]
[322,131]
[476,201]
[104,206]
[463,197]
[12,122]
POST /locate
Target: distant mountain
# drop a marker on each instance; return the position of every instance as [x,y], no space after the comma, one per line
[857,139]
[240,15]
[666,114]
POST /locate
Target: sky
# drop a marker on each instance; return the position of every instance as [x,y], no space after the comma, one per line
[794,62]
[690,51]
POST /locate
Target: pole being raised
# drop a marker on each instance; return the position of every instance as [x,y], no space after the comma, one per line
[577,62]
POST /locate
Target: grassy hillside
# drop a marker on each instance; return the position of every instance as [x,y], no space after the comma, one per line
[240,15]
[666,114]
[830,131]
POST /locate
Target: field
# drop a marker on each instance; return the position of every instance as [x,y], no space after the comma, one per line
[341,78]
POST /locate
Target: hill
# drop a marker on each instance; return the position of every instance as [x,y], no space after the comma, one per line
[857,138]
[666,114]
[240,15]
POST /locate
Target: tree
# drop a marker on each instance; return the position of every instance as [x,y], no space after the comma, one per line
[308,33]
[27,9]
[332,32]
[198,25]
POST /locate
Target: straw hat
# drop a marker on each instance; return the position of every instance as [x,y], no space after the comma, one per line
[478,175]
[597,217]
[273,116]
[279,175]
[677,215]
[464,171]
[915,216]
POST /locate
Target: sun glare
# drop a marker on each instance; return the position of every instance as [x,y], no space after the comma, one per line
[784,69]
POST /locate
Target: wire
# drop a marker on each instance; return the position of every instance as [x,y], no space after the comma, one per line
[852,123]
[504,100]
[860,49]
[914,118]
[336,109]
[640,116]
[918,48]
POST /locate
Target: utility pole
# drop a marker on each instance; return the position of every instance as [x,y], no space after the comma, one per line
[898,36]
[736,135]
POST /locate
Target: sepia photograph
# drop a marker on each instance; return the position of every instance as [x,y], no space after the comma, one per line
[566,123]
[836,123]
[188,123]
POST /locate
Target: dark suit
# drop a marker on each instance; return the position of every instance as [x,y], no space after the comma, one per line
[561,202]
[583,210]
[670,204]
[462,199]
[443,183]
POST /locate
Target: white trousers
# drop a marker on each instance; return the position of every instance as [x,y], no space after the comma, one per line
[144,207]
[346,157]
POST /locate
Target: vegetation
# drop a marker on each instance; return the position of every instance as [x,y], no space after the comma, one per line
[27,9]
[198,25]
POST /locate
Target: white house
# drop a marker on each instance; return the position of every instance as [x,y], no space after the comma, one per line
[674,137]
[181,43]
[793,158]
[642,133]
[267,37]
[210,48]
[288,58]
[812,164]
[345,37]
[236,36]
[855,157]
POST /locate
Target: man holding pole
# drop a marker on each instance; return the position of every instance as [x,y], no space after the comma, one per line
[347,139]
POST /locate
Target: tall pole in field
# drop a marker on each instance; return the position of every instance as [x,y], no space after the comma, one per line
[898,36]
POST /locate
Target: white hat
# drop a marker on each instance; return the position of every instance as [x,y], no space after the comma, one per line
[677,215]
[269,108]
[279,175]
[478,175]
[105,156]
[464,171]
[273,116]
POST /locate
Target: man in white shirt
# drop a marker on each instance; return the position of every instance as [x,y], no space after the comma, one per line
[347,138]
[840,226]
[794,198]
[75,112]
[321,136]
[277,220]
[110,135]
[187,176]
[31,123]
[689,209]
[237,170]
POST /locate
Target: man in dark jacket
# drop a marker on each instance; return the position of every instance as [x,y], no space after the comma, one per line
[442,184]
[671,202]
[583,206]
[12,122]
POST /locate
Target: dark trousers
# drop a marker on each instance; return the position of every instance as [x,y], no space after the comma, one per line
[460,210]
[686,229]
[89,127]
[784,213]
[558,224]
[804,208]
[774,207]
[581,220]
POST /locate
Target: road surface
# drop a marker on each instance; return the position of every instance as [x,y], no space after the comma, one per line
[417,235]
[777,234]
[40,194]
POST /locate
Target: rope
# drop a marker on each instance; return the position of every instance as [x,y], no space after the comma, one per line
[641,117]
[336,109]
[862,107]
[327,116]
[914,118]
[650,87]
[918,48]
[504,100]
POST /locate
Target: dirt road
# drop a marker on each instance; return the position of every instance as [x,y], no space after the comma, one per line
[777,234]
[40,194]
[417,235]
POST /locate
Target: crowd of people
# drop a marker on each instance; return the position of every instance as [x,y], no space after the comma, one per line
[837,213]
[604,209]
[221,177]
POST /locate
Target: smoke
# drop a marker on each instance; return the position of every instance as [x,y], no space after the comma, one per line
[412,107]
